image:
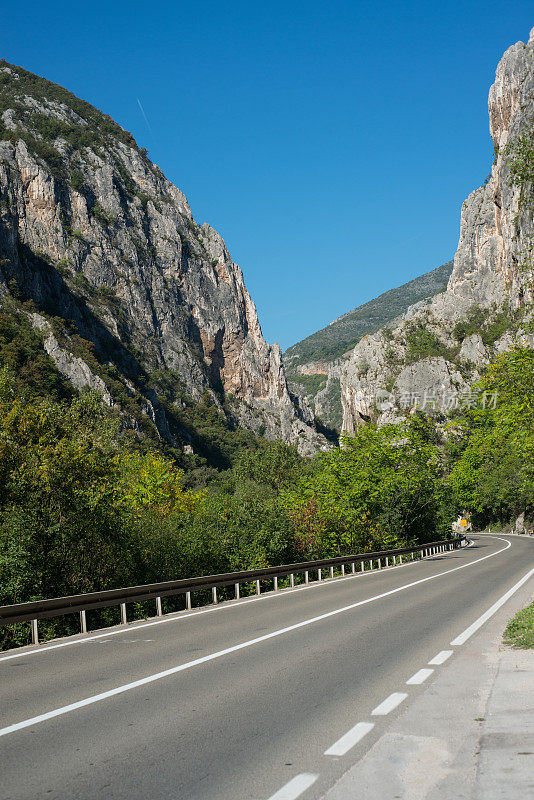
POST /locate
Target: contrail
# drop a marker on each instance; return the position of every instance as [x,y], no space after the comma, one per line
[144,115]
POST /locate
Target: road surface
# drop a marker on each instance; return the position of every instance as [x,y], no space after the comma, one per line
[270,697]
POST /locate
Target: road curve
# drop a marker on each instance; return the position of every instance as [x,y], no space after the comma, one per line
[271,697]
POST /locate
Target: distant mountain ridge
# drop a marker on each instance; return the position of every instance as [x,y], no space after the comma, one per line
[344,332]
[313,366]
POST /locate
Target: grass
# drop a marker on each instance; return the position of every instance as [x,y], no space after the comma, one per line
[520,630]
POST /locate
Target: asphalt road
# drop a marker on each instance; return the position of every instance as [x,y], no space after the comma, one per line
[253,692]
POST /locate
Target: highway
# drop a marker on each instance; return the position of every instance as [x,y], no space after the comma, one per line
[268,697]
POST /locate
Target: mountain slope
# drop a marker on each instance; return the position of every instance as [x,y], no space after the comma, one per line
[131,295]
[313,366]
[439,347]
[344,332]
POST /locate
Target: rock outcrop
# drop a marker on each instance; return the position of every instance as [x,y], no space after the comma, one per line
[323,354]
[431,354]
[95,240]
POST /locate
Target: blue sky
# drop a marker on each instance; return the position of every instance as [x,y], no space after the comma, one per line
[331,144]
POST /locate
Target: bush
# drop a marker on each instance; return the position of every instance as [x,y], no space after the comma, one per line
[421,343]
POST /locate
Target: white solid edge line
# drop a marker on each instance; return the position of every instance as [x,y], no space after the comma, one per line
[295,787]
[441,657]
[389,704]
[349,739]
[182,616]
[419,677]
[225,607]
[473,628]
[212,656]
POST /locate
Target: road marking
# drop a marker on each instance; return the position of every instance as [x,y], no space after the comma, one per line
[465,635]
[295,787]
[275,595]
[441,657]
[389,704]
[349,739]
[419,677]
[224,606]
[235,648]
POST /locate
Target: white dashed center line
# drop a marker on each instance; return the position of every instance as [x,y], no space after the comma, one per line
[295,787]
[349,739]
[441,658]
[419,677]
[389,704]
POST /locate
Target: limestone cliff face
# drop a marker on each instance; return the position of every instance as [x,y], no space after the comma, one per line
[437,349]
[496,229]
[314,365]
[93,234]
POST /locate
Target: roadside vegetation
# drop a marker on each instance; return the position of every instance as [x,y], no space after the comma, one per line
[86,505]
[519,632]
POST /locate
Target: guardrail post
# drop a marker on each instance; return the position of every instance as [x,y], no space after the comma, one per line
[248,576]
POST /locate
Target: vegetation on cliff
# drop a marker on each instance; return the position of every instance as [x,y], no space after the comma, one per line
[343,333]
[84,506]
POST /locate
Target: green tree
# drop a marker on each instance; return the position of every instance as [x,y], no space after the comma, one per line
[493,470]
[380,489]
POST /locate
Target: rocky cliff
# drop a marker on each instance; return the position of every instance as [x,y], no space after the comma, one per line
[130,293]
[432,353]
[314,365]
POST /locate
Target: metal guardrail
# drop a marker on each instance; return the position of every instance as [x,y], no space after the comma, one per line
[81,603]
